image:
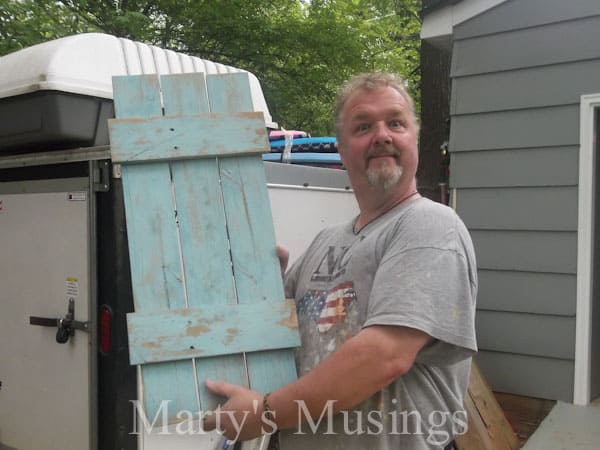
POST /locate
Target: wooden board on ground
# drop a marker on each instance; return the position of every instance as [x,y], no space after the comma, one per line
[525,414]
[488,427]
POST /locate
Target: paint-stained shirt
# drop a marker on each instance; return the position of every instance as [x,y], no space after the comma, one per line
[414,266]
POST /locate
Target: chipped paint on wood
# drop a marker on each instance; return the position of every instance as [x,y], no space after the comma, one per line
[291,321]
[184,137]
[197,330]
[211,331]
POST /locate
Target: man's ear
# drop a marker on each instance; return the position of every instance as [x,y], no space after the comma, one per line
[341,151]
[340,145]
[342,157]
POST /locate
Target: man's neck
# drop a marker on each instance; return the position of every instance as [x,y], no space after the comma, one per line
[376,202]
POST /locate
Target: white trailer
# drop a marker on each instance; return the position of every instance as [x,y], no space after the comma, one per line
[64,267]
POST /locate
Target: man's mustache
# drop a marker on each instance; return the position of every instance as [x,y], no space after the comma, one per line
[382,150]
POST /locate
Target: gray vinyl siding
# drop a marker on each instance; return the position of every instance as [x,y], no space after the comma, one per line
[515,15]
[520,167]
[543,127]
[555,43]
[527,292]
[534,334]
[517,89]
[518,71]
[518,208]
[528,251]
[532,376]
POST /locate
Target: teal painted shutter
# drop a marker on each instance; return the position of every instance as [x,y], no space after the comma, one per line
[207,288]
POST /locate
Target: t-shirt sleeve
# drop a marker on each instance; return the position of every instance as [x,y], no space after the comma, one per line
[430,289]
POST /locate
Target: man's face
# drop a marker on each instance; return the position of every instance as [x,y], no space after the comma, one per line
[378,142]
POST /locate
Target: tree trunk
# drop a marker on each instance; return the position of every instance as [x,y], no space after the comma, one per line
[435,120]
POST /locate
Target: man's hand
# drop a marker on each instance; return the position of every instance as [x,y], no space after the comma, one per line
[240,418]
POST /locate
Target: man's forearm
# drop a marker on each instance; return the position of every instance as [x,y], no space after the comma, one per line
[361,367]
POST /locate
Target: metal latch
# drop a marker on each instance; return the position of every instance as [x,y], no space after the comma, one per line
[101,176]
[66,326]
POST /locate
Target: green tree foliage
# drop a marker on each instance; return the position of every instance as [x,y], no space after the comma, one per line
[301,50]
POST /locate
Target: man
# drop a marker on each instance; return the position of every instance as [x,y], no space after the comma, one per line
[386,303]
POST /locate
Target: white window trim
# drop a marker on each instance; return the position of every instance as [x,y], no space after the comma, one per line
[585,244]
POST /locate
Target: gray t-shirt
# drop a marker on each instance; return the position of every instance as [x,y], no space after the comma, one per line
[413,266]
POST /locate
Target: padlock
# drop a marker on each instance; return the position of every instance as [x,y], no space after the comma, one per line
[63,333]
[66,326]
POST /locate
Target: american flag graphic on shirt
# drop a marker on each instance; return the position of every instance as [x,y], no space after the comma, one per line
[327,308]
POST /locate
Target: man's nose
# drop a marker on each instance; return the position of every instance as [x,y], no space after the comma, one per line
[382,133]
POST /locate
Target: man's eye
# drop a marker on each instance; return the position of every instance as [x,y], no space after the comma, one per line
[362,127]
[396,124]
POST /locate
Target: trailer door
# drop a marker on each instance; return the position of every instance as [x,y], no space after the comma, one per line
[45,391]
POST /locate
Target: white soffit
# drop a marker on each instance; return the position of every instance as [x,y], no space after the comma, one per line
[440,23]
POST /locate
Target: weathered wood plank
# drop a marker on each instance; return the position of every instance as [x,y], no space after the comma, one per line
[488,428]
[205,244]
[137,96]
[203,233]
[230,93]
[205,247]
[152,237]
[184,94]
[490,410]
[185,137]
[212,331]
[524,413]
[156,273]
[251,239]
[477,437]
[251,233]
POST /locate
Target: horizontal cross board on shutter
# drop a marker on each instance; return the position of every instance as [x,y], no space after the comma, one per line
[211,331]
[204,269]
[184,137]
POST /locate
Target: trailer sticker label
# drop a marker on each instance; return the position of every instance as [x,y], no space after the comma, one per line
[72,287]
[77,196]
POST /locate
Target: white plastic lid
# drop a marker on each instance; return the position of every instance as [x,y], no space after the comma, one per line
[85,64]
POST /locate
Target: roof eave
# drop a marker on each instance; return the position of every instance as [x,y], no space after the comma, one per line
[440,18]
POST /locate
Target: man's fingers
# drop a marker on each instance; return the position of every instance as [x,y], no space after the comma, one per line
[238,415]
[221,388]
[283,256]
[209,421]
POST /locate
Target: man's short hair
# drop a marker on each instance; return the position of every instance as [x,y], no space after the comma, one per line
[369,82]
